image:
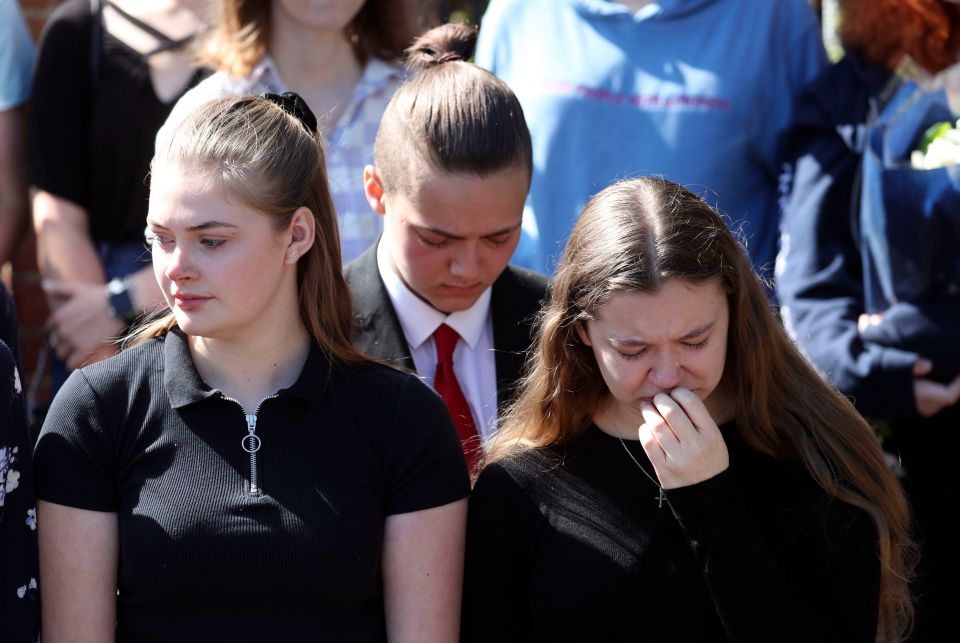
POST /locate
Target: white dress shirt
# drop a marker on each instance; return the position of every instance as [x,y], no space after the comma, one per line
[473,358]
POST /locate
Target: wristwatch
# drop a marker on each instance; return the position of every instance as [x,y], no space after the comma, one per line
[119,301]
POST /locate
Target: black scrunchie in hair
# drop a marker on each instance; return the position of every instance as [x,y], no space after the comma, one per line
[291,103]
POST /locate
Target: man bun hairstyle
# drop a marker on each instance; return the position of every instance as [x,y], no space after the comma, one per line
[447,43]
[452,115]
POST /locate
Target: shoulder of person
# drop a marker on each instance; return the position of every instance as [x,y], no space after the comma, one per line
[389,387]
[363,267]
[123,373]
[101,396]
[526,277]
[526,468]
[523,282]
[70,21]
[71,15]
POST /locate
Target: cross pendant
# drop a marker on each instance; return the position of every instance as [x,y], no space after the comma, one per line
[660,498]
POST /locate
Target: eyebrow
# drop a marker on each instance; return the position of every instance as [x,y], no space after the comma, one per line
[206,225]
[696,332]
[455,237]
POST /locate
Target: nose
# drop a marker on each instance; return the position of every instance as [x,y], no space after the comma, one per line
[465,263]
[178,265]
[666,372]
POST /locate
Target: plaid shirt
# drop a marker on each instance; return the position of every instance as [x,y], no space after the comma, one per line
[348,146]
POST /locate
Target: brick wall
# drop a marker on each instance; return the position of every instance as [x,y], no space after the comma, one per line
[36,13]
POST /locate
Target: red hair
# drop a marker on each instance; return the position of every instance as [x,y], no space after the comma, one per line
[887,30]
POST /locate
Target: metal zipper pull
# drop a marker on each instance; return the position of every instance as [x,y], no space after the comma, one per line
[251,444]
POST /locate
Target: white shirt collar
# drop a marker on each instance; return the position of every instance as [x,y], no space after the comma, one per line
[419,320]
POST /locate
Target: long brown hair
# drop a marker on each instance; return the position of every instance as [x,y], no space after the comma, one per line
[381,29]
[451,115]
[272,163]
[887,30]
[634,235]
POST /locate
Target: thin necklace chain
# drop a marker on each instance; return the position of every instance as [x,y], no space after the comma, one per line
[661,496]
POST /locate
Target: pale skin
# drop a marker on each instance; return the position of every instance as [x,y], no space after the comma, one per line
[73,276]
[202,242]
[662,357]
[449,236]
[303,33]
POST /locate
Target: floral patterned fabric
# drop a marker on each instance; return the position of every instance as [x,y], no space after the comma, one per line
[19,601]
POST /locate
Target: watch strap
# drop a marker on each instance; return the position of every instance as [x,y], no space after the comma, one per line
[119,300]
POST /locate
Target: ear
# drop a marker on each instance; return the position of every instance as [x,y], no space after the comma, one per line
[582,332]
[302,233]
[373,189]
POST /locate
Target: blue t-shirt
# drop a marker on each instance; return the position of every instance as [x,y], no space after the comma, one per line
[16,56]
[696,91]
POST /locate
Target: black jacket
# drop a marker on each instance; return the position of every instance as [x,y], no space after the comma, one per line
[517,296]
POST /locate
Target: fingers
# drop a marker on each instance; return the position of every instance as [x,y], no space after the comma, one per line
[922,367]
[952,392]
[57,288]
[653,449]
[695,409]
[656,422]
[932,397]
[681,439]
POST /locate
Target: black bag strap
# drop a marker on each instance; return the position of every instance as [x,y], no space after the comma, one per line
[166,42]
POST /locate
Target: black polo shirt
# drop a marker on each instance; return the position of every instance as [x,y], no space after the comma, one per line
[201,558]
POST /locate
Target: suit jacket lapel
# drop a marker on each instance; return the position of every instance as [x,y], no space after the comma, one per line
[378,332]
[511,333]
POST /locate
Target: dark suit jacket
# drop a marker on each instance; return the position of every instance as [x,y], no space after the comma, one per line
[515,301]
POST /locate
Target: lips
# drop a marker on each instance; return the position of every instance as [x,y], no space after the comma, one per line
[189,302]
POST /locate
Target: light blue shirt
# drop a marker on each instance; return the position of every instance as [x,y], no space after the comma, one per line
[695,91]
[16,56]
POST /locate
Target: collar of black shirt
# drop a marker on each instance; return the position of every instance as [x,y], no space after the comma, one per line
[184,385]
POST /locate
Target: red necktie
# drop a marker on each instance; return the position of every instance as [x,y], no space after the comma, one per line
[446,384]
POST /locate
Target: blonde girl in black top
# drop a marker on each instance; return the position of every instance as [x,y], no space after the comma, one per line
[242,473]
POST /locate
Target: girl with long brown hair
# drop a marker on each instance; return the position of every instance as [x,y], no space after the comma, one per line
[227,478]
[673,469]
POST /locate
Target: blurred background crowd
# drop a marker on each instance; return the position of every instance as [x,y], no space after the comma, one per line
[821,130]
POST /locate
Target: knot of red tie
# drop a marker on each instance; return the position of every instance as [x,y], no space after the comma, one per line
[446,340]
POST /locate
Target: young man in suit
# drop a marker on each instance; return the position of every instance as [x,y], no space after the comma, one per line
[436,295]
[443,261]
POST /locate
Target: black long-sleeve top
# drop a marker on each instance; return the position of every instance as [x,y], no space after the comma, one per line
[571,545]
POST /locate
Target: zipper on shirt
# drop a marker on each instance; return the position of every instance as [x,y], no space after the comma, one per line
[251,442]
